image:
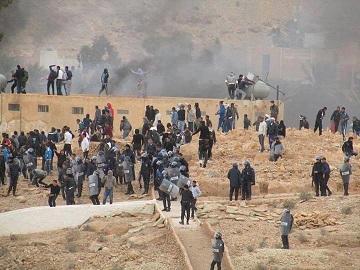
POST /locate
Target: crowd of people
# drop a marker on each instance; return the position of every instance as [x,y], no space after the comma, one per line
[237,86]
[157,150]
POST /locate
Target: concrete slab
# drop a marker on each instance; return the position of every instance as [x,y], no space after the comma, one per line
[44,218]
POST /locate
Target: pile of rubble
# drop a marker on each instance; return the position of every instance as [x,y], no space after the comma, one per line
[313,220]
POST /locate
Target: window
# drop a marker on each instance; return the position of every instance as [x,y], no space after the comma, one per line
[123,111]
[14,107]
[77,110]
[43,108]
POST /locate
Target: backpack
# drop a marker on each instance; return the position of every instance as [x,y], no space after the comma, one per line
[64,76]
[26,76]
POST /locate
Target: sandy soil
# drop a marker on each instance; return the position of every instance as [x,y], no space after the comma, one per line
[121,242]
[253,235]
[289,175]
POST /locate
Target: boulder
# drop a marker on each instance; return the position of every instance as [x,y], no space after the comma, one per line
[142,240]
[116,228]
[232,209]
[95,247]
[21,199]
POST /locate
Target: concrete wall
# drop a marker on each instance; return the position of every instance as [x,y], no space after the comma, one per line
[60,109]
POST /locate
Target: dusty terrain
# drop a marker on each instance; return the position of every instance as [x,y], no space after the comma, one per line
[119,242]
[252,234]
[325,234]
[289,175]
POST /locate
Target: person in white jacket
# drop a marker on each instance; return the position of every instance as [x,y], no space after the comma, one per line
[262,133]
[196,194]
[85,146]
[157,117]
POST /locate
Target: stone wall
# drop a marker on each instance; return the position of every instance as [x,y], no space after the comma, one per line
[27,112]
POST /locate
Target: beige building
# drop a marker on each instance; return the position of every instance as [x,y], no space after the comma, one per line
[34,111]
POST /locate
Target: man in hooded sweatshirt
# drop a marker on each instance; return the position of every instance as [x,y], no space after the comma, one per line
[109,183]
[234,176]
[285,227]
[248,180]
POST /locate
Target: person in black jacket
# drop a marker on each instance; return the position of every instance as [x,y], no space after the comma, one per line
[137,142]
[203,143]
[160,128]
[145,171]
[248,180]
[54,192]
[348,148]
[197,115]
[234,175]
[51,80]
[186,200]
[14,172]
[318,177]
[318,122]
[70,187]
[336,118]
[282,129]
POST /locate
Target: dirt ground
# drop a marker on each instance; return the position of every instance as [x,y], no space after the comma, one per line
[289,175]
[251,229]
[251,233]
[115,243]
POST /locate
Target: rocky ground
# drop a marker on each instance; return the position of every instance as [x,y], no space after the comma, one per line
[325,234]
[288,175]
[119,242]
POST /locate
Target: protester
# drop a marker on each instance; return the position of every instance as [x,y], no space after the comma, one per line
[125,127]
[186,199]
[67,81]
[318,177]
[282,129]
[54,192]
[344,118]
[196,192]
[234,115]
[318,122]
[203,143]
[190,118]
[348,148]
[59,80]
[248,180]
[326,171]
[345,173]
[221,112]
[276,150]
[335,120]
[181,117]
[235,178]
[109,183]
[262,133]
[231,84]
[104,82]
[274,110]
[356,126]
[247,122]
[51,80]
